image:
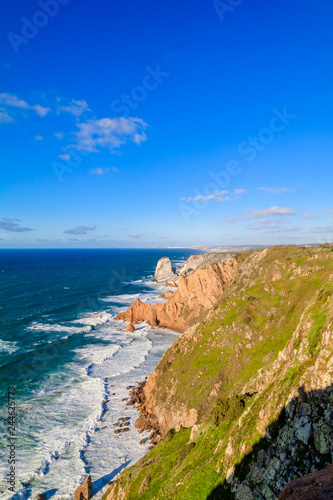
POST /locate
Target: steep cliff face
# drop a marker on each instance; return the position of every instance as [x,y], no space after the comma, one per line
[244,397]
[195,294]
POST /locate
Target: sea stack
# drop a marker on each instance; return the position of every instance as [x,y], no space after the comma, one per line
[165,272]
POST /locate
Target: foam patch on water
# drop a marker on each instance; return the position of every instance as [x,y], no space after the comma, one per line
[95,318]
[48,327]
[8,347]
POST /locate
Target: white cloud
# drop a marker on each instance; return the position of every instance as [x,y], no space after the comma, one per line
[99,171]
[4,117]
[322,229]
[240,191]
[272,212]
[217,196]
[13,101]
[39,137]
[310,216]
[76,108]
[329,211]
[110,133]
[80,230]
[59,135]
[276,190]
[230,220]
[11,226]
[65,157]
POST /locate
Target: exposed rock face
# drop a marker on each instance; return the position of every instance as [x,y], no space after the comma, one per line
[41,496]
[195,294]
[308,416]
[130,328]
[84,492]
[164,271]
[196,261]
[315,486]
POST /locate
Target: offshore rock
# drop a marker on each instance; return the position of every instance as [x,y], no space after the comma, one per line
[84,492]
[164,272]
[130,328]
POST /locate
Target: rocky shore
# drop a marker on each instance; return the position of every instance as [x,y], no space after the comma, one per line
[241,404]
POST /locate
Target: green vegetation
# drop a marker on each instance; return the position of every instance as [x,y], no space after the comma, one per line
[281,301]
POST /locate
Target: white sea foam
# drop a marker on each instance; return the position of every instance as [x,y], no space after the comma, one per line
[67,426]
[48,327]
[8,347]
[94,319]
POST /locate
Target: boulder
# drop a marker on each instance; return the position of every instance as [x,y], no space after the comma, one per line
[84,492]
[41,496]
[130,328]
[164,272]
[314,486]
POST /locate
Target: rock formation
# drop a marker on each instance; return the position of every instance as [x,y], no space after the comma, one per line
[84,492]
[199,260]
[41,496]
[164,272]
[130,328]
[195,294]
[315,486]
[242,402]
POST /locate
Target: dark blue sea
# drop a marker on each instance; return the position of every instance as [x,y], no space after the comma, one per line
[71,361]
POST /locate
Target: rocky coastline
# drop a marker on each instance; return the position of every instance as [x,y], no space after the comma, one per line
[246,390]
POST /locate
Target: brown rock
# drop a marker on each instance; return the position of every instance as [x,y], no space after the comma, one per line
[41,496]
[143,441]
[124,419]
[130,328]
[126,429]
[195,294]
[117,431]
[84,492]
[314,486]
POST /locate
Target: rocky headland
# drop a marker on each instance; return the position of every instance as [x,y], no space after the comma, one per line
[241,405]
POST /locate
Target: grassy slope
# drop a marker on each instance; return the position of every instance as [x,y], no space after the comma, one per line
[242,335]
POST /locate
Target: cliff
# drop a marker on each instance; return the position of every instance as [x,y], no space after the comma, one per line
[244,398]
[195,294]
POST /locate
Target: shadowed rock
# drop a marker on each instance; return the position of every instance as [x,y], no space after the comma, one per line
[84,492]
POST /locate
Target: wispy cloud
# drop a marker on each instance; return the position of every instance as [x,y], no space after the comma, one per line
[11,226]
[65,157]
[240,191]
[13,101]
[59,135]
[39,137]
[329,211]
[218,196]
[110,133]
[269,190]
[271,212]
[322,229]
[135,235]
[76,108]
[230,220]
[4,117]
[80,230]
[308,216]
[99,171]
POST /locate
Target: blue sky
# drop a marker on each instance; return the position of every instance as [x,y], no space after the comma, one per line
[143,124]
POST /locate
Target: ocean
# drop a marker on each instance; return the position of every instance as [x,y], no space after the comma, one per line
[71,362]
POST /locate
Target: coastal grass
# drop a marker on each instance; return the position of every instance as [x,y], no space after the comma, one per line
[281,302]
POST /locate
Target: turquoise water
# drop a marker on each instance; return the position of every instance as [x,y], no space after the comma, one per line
[71,362]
